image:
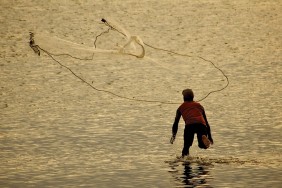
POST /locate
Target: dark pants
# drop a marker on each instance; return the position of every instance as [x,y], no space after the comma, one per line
[189,132]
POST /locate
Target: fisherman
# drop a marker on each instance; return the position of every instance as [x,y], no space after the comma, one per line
[195,120]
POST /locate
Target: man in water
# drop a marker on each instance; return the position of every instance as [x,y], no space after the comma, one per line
[196,121]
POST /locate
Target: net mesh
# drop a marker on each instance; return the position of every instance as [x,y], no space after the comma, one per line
[123,69]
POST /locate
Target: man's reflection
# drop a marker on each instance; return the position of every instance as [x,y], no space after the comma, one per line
[190,175]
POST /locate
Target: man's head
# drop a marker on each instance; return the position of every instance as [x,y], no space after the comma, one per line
[188,95]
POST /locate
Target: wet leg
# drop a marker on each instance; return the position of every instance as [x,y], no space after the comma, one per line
[188,140]
[203,141]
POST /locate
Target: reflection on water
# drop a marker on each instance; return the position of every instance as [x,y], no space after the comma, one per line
[196,171]
[187,174]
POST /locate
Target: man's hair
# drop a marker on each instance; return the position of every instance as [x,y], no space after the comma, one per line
[188,94]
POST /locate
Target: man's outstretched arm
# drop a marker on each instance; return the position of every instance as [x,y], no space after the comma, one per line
[175,126]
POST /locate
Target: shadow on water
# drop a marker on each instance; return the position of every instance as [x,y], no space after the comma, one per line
[188,174]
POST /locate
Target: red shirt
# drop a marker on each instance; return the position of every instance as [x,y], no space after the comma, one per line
[192,112]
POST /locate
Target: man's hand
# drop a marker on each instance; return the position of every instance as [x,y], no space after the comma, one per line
[172,139]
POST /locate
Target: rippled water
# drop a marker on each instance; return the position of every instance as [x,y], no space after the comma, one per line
[55,131]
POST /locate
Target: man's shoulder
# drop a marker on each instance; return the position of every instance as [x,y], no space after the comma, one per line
[190,104]
[197,104]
